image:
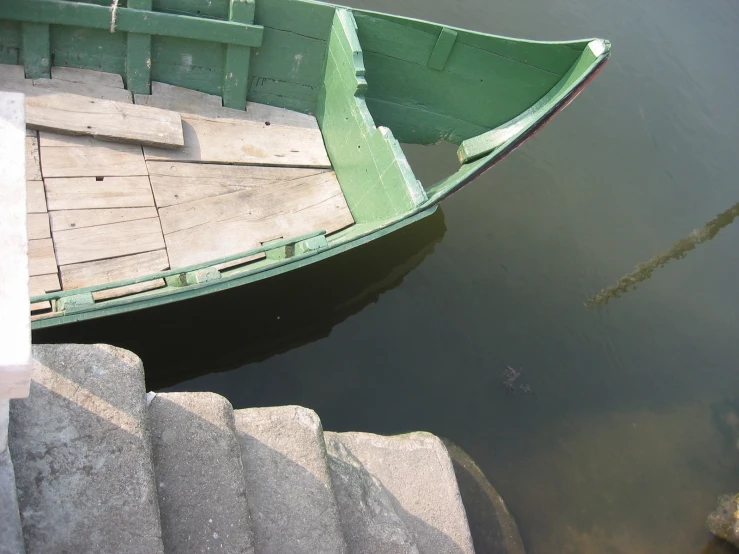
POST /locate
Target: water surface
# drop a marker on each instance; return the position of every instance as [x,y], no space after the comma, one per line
[626,439]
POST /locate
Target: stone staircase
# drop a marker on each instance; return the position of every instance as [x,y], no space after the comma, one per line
[102,467]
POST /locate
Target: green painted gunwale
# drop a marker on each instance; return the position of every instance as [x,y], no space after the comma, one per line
[457,85]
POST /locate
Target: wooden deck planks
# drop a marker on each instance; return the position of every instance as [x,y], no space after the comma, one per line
[41,284]
[35,197]
[33,163]
[102,197]
[109,294]
[108,241]
[177,182]
[64,220]
[81,193]
[246,142]
[104,119]
[227,224]
[70,156]
[113,269]
[41,258]
[38,226]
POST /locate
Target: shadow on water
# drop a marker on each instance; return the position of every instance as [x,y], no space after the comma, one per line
[229,329]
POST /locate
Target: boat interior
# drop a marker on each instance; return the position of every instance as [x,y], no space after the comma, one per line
[289,143]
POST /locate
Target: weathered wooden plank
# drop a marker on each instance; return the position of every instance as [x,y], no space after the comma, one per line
[80,193]
[442,49]
[41,284]
[132,21]
[45,315]
[33,164]
[278,116]
[107,241]
[236,68]
[41,258]
[240,261]
[54,86]
[113,269]
[103,119]
[207,229]
[40,306]
[193,103]
[176,182]
[38,226]
[185,95]
[36,49]
[109,294]
[87,76]
[138,55]
[10,81]
[35,197]
[246,142]
[78,156]
[77,219]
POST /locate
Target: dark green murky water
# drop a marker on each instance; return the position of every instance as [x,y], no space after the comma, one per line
[627,437]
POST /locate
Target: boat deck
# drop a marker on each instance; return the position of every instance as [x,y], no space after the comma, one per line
[102,211]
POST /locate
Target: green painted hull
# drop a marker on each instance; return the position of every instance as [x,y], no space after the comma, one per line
[357,71]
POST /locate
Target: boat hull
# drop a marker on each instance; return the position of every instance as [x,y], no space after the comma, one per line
[372,80]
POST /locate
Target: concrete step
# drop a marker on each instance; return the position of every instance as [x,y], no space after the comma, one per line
[492,526]
[82,457]
[416,471]
[200,478]
[11,532]
[368,519]
[288,485]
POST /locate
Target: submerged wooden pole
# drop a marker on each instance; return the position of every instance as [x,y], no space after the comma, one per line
[679,250]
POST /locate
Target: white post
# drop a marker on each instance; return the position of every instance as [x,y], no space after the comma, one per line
[15,317]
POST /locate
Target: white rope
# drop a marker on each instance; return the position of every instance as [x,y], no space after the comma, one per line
[113,15]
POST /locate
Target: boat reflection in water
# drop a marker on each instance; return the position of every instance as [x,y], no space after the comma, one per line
[229,329]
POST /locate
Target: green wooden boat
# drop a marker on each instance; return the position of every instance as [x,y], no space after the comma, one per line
[371,80]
